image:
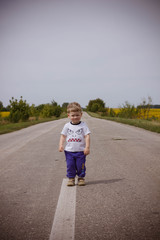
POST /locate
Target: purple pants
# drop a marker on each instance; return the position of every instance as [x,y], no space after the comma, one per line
[75,164]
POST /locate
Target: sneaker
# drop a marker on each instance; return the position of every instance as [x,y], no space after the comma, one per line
[71,182]
[81,182]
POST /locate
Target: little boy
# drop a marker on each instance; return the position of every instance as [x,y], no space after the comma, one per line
[77,136]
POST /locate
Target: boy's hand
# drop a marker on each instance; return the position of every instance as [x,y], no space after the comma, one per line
[87,148]
[86,151]
[61,142]
[61,148]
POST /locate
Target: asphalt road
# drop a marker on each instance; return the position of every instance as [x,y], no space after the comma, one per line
[120,201]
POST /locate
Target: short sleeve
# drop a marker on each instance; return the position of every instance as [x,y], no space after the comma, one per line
[86,129]
[64,130]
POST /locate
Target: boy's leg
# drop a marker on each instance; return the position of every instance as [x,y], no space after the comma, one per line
[80,164]
[71,165]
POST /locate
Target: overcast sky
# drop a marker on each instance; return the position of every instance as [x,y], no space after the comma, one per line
[79,50]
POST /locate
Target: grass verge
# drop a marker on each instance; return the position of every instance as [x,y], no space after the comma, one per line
[11,127]
[153,126]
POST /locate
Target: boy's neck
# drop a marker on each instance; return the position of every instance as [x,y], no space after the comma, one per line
[76,123]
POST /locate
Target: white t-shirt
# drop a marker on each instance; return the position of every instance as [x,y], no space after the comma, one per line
[75,136]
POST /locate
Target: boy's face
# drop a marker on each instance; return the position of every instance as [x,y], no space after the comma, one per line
[75,117]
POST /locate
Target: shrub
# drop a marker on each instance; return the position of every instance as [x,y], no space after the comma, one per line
[33,112]
[47,111]
[57,111]
[19,110]
[112,113]
[96,105]
[128,111]
[64,106]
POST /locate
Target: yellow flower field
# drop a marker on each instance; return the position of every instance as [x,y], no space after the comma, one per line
[116,110]
[4,114]
[154,112]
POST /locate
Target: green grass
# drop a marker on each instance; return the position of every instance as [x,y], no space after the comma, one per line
[153,126]
[11,127]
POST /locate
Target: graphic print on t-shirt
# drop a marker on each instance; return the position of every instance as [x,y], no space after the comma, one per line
[74,136]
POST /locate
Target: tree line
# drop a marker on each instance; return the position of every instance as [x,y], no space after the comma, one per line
[21,111]
[125,111]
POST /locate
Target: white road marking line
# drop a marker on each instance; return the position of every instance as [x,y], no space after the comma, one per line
[64,219]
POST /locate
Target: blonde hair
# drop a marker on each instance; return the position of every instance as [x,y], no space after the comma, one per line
[74,107]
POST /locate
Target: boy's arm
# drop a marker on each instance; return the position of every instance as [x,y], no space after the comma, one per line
[61,142]
[87,148]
